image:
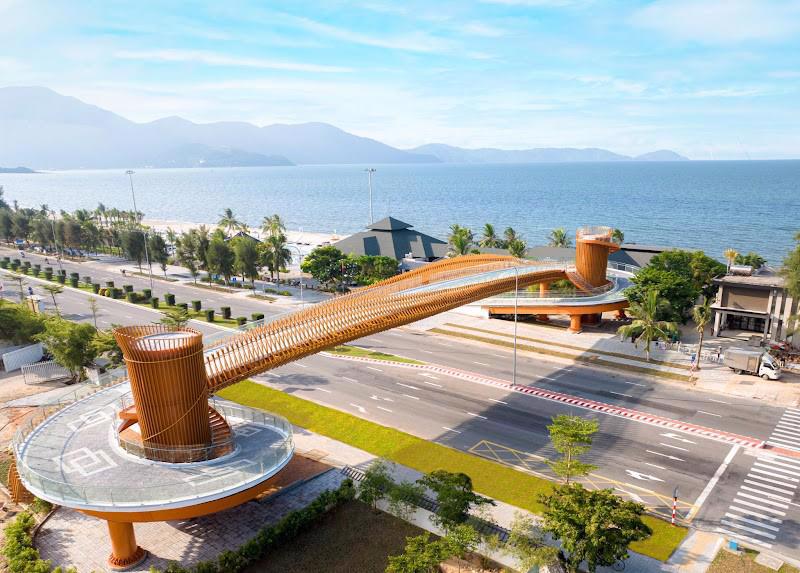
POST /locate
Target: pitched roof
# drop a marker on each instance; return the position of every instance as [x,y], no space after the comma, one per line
[389,224]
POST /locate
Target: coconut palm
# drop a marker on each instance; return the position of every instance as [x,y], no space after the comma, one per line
[229,223]
[618,236]
[559,238]
[509,236]
[730,255]
[702,316]
[460,241]
[517,248]
[272,225]
[645,326]
[276,255]
[489,238]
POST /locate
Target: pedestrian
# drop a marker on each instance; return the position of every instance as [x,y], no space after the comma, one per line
[30,291]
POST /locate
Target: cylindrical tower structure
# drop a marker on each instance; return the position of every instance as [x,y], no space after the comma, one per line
[592,245]
[169,387]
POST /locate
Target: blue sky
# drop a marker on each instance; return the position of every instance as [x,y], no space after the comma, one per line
[714,79]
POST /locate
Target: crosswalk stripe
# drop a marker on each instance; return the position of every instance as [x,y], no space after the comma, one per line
[774,442]
[759,506]
[768,494]
[774,466]
[744,537]
[755,470]
[762,500]
[789,408]
[756,514]
[745,528]
[752,521]
[790,436]
[791,461]
[788,425]
[789,418]
[770,487]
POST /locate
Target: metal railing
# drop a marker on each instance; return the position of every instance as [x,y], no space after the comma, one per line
[41,372]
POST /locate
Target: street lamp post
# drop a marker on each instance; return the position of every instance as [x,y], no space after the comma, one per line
[55,241]
[130,173]
[370,171]
[300,264]
[516,296]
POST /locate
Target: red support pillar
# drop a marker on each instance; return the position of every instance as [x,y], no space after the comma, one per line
[575,323]
[125,553]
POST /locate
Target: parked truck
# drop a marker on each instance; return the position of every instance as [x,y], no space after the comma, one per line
[755,362]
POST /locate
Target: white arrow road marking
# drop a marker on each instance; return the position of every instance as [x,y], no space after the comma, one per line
[679,438]
[359,408]
[633,496]
[665,455]
[641,476]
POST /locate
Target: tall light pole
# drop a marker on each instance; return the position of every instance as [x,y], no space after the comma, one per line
[55,241]
[516,296]
[299,263]
[370,171]
[130,173]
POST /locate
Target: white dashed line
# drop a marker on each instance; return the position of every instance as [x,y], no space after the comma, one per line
[620,394]
[480,363]
[407,386]
[709,413]
[654,466]
[384,409]
[324,390]
[434,384]
[673,447]
[498,401]
[273,375]
[410,396]
[450,429]
[300,365]
[375,369]
[717,401]
[473,414]
[348,379]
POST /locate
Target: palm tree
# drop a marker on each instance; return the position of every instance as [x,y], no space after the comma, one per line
[645,326]
[731,255]
[460,240]
[279,255]
[517,248]
[559,238]
[618,236]
[702,316]
[229,223]
[54,290]
[509,236]
[489,238]
[273,225]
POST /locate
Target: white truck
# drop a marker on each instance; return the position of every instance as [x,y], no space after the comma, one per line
[755,362]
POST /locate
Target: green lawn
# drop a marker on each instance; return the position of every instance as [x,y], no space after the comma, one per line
[490,478]
[727,562]
[345,350]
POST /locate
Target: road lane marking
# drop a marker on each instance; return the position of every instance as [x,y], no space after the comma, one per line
[677,437]
[300,365]
[324,390]
[713,482]
[744,537]
[745,528]
[673,447]
[450,429]
[762,500]
[359,408]
[718,401]
[384,409]
[498,401]
[787,426]
[643,477]
[407,386]
[375,369]
[792,461]
[654,466]
[759,506]
[785,433]
[756,514]
[777,467]
[770,495]
[665,455]
[752,521]
[273,375]
[349,379]
[770,487]
[477,415]
[432,384]
[443,344]
[410,396]
[785,445]
[772,475]
[620,394]
[426,375]
[709,413]
[481,363]
[427,352]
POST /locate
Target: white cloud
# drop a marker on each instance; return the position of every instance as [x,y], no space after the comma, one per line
[482,29]
[721,21]
[217,59]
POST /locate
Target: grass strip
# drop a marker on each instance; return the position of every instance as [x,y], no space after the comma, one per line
[345,350]
[490,478]
[573,347]
[549,352]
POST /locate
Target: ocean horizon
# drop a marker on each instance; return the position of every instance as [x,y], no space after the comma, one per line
[707,205]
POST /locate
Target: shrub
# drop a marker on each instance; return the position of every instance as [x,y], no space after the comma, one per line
[241,320]
[147,293]
[169,298]
[130,297]
[154,302]
[4,263]
[196,305]
[210,315]
[96,287]
[75,276]
[87,280]
[109,284]
[73,282]
[183,305]
[127,288]
[61,279]
[257,316]
[21,555]
[226,311]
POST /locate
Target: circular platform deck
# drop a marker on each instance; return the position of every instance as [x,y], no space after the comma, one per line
[73,459]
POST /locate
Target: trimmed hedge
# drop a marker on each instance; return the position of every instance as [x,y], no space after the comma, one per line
[147,293]
[61,279]
[226,311]
[241,320]
[96,288]
[19,551]
[169,298]
[154,302]
[196,305]
[183,305]
[109,284]
[127,288]
[268,538]
[210,315]
[257,316]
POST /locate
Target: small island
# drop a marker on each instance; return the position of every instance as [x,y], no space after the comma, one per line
[16,170]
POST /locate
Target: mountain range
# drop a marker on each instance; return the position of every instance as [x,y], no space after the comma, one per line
[43,129]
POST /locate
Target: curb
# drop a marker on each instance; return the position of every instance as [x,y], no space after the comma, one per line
[635,415]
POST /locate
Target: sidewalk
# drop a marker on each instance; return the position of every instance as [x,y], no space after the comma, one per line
[606,349]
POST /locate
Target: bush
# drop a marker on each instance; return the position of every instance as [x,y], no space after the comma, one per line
[226,311]
[4,263]
[96,287]
[61,279]
[73,282]
[169,298]
[87,280]
[109,284]
[154,302]
[210,315]
[241,320]
[75,276]
[147,293]
[183,305]
[130,297]
[48,274]
[127,288]
[21,555]
[257,316]
[196,305]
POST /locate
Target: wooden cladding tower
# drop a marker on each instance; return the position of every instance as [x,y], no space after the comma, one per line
[169,386]
[592,247]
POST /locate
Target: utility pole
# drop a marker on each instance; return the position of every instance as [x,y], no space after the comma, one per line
[370,171]
[516,295]
[55,241]
[130,173]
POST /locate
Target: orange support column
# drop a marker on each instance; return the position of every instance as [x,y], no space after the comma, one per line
[544,288]
[125,553]
[575,323]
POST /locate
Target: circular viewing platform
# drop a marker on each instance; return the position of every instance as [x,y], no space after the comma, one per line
[73,458]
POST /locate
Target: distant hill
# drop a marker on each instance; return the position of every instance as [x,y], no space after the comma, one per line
[199,155]
[451,154]
[16,170]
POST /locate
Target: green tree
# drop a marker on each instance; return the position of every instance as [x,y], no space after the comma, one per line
[272,225]
[278,255]
[18,323]
[460,241]
[54,290]
[593,526]
[559,238]
[187,251]
[94,307]
[701,314]
[175,317]
[104,344]
[324,264]
[6,225]
[246,257]
[157,250]
[571,436]
[403,499]
[645,326]
[3,204]
[454,495]
[460,541]
[517,248]
[220,258]
[489,238]
[526,544]
[421,556]
[70,344]
[791,270]
[695,266]
[376,484]
[509,236]
[618,236]
[374,268]
[132,242]
[677,291]
[751,259]
[229,223]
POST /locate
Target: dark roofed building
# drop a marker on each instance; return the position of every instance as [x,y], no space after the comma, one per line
[391,237]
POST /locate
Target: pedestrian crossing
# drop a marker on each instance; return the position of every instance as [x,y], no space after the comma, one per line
[759,508]
[786,434]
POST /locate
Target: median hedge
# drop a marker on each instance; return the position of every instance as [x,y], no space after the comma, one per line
[489,478]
